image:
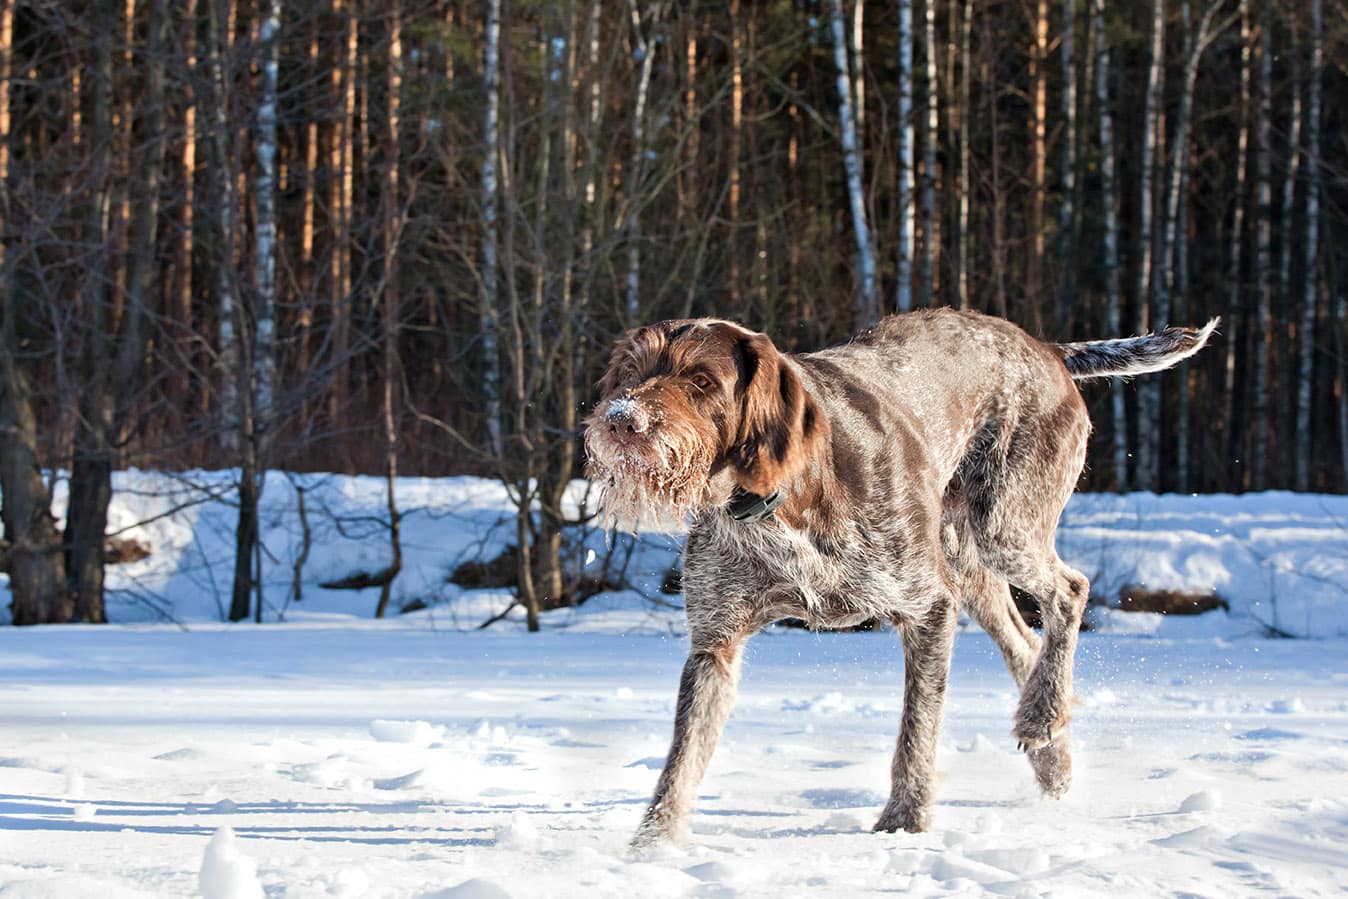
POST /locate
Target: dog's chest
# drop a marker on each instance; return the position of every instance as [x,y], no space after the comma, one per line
[789,575]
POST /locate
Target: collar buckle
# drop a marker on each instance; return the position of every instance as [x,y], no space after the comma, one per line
[746,506]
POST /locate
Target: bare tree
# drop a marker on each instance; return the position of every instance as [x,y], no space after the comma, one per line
[1109,198]
[390,319]
[1263,318]
[489,313]
[926,274]
[1067,209]
[866,309]
[1237,240]
[1310,256]
[1195,45]
[903,299]
[1148,395]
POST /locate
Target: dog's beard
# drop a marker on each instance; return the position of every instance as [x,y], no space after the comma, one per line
[656,484]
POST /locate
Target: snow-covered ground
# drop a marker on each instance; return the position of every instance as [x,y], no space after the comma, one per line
[334,755]
[402,759]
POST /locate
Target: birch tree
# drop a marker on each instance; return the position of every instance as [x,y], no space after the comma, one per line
[1195,45]
[1148,415]
[488,314]
[866,312]
[645,58]
[926,274]
[1109,199]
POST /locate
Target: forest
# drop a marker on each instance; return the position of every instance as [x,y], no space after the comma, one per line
[399,238]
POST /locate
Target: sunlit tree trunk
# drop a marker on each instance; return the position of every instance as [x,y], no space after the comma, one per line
[865,310]
[1310,257]
[181,292]
[342,206]
[304,316]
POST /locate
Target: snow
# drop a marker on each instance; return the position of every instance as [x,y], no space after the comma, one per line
[336,755]
[404,759]
[1280,559]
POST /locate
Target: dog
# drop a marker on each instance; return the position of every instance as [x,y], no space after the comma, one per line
[916,469]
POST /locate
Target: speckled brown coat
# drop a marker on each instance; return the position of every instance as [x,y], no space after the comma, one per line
[921,467]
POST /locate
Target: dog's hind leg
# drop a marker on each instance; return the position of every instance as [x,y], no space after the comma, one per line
[927,645]
[706,693]
[985,596]
[995,611]
[988,600]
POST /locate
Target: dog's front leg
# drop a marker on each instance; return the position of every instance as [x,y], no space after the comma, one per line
[927,646]
[706,693]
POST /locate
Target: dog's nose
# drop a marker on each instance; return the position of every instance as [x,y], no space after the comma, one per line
[626,415]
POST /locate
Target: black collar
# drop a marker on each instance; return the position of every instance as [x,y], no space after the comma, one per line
[746,506]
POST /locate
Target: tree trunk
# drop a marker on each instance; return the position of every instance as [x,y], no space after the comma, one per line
[1067,210]
[1034,265]
[1172,236]
[1109,191]
[343,211]
[865,307]
[962,230]
[390,318]
[926,275]
[1235,306]
[903,296]
[1263,319]
[35,562]
[646,55]
[488,315]
[94,453]
[736,302]
[1310,257]
[32,547]
[1148,396]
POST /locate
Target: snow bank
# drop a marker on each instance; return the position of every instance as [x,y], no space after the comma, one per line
[1280,559]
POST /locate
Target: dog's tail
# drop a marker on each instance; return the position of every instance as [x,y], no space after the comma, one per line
[1129,356]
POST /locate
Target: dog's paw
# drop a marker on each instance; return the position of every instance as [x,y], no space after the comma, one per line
[1038,724]
[1052,766]
[903,816]
[654,834]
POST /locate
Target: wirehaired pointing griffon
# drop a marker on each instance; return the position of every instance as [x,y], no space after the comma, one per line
[918,468]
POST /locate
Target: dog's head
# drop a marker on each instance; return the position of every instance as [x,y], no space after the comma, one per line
[683,402]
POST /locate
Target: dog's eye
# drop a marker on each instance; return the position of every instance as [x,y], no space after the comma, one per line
[703,382]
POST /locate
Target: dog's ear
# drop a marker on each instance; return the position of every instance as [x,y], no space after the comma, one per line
[779,422]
